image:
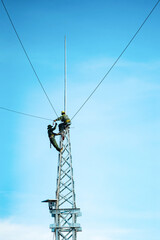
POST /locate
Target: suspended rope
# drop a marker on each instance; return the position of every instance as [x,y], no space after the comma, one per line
[117,59]
[26,114]
[28,57]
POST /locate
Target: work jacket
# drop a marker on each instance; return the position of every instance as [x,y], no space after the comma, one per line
[51,133]
[64,118]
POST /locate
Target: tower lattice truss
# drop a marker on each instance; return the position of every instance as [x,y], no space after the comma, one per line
[63,208]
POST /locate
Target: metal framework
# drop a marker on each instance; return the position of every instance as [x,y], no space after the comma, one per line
[63,208]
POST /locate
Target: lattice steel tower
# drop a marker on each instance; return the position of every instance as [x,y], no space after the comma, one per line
[63,209]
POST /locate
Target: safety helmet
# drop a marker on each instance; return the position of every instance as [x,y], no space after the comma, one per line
[49,126]
[63,112]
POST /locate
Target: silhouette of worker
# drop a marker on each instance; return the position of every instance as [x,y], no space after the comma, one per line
[52,135]
[65,121]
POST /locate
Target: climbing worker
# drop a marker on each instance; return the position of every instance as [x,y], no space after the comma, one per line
[65,121]
[52,135]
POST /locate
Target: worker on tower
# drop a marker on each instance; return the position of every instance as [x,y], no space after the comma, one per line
[52,135]
[65,121]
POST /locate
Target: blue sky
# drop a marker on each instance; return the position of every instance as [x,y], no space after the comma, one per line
[116,136]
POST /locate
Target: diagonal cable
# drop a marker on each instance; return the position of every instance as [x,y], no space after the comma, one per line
[26,114]
[117,59]
[28,56]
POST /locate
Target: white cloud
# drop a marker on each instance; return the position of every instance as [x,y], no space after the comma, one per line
[103,64]
[105,234]
[14,231]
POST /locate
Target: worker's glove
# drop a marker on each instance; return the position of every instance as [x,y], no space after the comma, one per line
[55,124]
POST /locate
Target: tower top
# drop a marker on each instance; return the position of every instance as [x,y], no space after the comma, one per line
[65,77]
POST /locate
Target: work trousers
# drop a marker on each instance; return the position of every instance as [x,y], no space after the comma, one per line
[54,143]
[62,126]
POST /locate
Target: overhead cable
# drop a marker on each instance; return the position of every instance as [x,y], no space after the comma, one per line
[28,57]
[117,59]
[26,114]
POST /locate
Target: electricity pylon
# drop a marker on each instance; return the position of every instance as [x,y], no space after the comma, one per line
[63,209]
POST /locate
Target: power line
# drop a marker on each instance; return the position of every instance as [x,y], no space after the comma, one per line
[27,56]
[117,59]
[26,114]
